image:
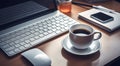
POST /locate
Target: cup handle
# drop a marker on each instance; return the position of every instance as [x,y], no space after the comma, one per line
[99,35]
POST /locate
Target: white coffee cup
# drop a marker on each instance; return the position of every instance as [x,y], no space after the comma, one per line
[81,36]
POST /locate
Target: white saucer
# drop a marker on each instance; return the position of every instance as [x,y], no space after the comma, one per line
[94,47]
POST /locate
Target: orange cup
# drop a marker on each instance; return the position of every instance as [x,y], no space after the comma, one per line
[65,6]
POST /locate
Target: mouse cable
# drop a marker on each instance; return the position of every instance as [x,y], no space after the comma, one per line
[82,4]
[93,6]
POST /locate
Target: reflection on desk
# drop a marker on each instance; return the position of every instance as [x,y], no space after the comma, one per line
[80,60]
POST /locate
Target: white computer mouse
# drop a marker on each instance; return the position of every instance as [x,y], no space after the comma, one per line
[37,57]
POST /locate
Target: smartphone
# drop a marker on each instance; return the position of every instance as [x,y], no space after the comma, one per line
[102,17]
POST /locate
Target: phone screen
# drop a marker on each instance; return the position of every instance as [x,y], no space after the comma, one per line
[102,17]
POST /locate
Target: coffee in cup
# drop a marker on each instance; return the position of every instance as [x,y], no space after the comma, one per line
[81,32]
[81,36]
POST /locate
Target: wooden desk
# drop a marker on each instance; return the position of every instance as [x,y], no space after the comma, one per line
[110,47]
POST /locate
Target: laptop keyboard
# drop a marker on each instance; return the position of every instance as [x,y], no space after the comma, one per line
[17,41]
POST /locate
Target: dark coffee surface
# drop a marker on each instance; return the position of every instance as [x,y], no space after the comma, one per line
[81,32]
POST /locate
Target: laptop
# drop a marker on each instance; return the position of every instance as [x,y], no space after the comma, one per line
[27,23]
[14,12]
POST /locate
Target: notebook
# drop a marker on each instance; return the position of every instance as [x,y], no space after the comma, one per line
[108,26]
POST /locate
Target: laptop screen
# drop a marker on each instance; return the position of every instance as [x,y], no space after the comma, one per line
[13,12]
